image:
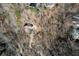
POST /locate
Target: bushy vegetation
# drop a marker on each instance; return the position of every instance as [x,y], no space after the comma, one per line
[52,39]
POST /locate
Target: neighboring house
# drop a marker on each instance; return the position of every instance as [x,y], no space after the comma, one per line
[28,28]
[75,30]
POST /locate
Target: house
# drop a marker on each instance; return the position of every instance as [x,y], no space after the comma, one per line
[75,30]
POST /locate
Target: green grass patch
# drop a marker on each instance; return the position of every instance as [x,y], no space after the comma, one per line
[33,9]
[18,16]
[18,13]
